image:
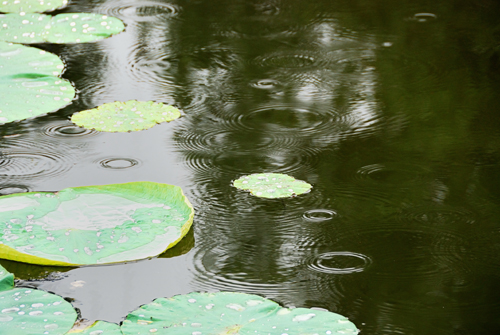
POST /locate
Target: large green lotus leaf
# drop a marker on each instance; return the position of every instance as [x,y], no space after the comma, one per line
[6,279]
[230,313]
[126,116]
[272,185]
[93,224]
[28,83]
[99,328]
[62,28]
[30,6]
[31,312]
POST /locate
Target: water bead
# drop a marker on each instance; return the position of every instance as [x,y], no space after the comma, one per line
[10,310]
[303,317]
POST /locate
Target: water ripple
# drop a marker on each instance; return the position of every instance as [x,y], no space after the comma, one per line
[420,253]
[212,140]
[67,130]
[201,164]
[374,196]
[438,215]
[13,188]
[117,163]
[271,27]
[339,262]
[266,84]
[215,270]
[423,17]
[288,162]
[33,157]
[150,63]
[279,121]
[286,119]
[31,164]
[285,60]
[391,173]
[319,215]
[254,132]
[145,11]
[344,61]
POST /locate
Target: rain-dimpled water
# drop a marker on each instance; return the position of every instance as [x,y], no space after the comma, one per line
[388,109]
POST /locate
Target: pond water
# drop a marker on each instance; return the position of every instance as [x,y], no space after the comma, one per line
[388,108]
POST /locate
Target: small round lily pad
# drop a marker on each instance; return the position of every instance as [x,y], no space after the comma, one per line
[230,313]
[272,185]
[61,28]
[30,6]
[93,224]
[29,83]
[126,116]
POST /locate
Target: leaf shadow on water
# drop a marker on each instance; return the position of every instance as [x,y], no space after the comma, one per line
[183,247]
[33,272]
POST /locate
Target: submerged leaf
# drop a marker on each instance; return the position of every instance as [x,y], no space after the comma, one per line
[230,313]
[93,224]
[126,116]
[62,28]
[272,185]
[29,85]
[6,279]
[30,6]
[99,328]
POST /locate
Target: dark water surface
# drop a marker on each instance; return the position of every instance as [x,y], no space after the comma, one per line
[389,108]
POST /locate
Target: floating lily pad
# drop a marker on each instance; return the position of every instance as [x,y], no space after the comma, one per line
[29,85]
[126,116]
[26,311]
[272,185]
[62,28]
[93,224]
[30,6]
[99,328]
[230,313]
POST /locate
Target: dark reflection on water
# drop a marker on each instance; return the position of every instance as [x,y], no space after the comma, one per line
[388,108]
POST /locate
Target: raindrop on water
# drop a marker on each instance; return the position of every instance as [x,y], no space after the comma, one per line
[265,84]
[339,262]
[318,215]
[118,163]
[424,17]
